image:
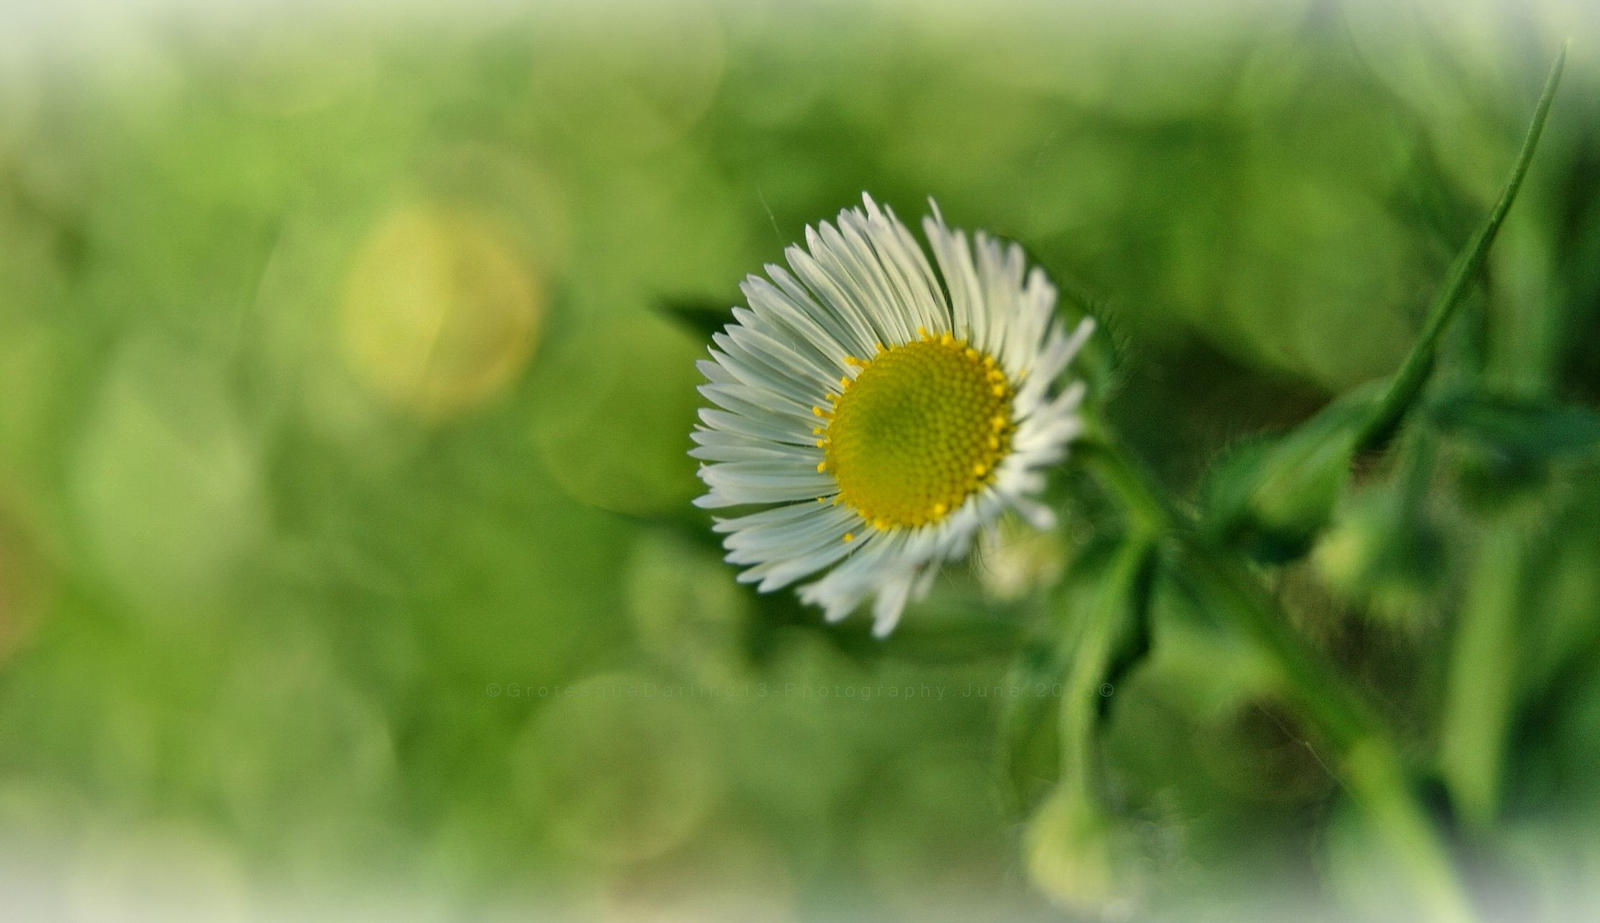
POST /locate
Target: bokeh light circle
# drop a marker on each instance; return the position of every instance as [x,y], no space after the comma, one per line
[440,312]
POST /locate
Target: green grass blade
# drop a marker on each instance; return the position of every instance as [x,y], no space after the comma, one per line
[1413,374]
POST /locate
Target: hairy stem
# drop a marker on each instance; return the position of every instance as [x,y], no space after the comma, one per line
[1368,761]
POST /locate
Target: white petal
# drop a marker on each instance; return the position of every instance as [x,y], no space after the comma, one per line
[803,326]
[759,427]
[891,602]
[856,284]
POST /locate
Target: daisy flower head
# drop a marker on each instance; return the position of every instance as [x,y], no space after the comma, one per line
[881,414]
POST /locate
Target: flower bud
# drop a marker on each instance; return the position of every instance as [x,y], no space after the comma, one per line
[1070,855]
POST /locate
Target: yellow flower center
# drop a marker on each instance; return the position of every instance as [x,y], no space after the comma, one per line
[921,427]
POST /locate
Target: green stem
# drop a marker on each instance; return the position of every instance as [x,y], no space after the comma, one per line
[1479,696]
[1371,764]
[1340,714]
[1377,781]
[1413,374]
[1090,655]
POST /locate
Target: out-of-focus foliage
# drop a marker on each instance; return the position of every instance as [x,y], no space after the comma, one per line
[346,555]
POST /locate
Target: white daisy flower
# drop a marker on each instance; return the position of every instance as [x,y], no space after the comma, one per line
[883,414]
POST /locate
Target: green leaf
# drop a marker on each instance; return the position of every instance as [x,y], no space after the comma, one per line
[1406,386]
[1273,498]
[1521,429]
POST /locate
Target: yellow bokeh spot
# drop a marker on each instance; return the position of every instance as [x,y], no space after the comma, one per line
[440,311]
[914,435]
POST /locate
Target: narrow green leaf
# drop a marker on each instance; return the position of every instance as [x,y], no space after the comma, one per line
[1274,498]
[1407,384]
[1524,429]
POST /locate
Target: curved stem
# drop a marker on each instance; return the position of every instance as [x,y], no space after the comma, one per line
[1370,764]
[1090,656]
[1413,374]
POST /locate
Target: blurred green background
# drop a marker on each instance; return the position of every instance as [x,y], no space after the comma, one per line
[346,562]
